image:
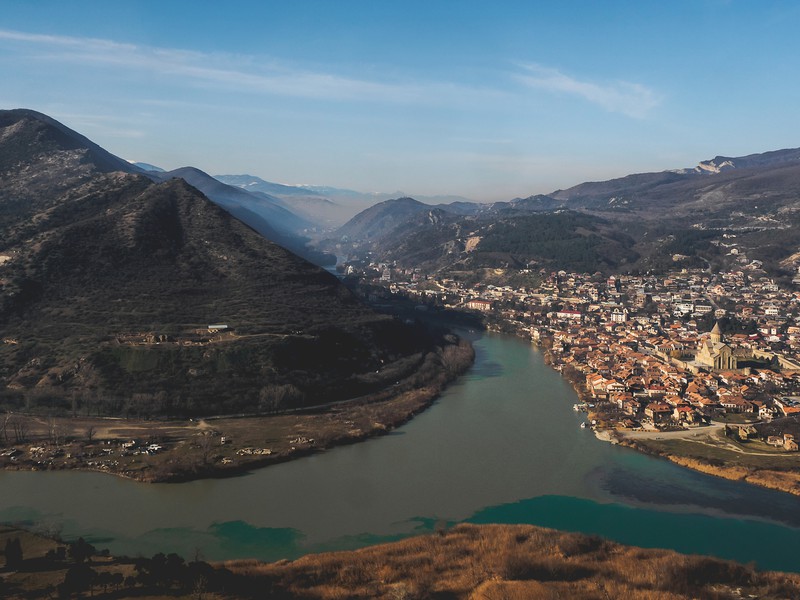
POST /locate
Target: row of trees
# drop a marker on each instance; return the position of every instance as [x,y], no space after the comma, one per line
[161,573]
[13,429]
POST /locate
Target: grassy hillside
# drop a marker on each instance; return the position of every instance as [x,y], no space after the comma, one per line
[468,562]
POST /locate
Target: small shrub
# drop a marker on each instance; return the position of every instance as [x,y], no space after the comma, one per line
[576,544]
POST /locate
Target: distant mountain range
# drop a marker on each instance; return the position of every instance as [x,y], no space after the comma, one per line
[314,206]
[327,206]
[686,190]
[268,215]
[110,277]
[643,221]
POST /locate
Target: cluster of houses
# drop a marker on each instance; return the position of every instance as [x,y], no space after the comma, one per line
[785,441]
[633,372]
[643,345]
[682,296]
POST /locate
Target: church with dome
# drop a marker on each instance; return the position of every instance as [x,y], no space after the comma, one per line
[714,354]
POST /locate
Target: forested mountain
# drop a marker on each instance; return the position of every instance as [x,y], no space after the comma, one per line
[433,239]
[382,219]
[109,282]
[646,221]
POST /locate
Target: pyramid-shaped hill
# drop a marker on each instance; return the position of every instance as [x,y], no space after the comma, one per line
[120,294]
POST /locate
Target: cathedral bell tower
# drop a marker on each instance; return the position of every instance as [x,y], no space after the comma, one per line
[716,334]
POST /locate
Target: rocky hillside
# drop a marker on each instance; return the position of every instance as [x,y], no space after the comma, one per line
[109,282]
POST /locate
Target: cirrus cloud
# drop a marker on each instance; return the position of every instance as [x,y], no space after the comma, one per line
[261,75]
[630,99]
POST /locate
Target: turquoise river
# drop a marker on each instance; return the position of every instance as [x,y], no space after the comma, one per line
[502,445]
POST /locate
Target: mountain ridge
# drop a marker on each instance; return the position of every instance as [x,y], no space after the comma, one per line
[636,222]
[266,214]
[705,173]
[109,282]
[55,134]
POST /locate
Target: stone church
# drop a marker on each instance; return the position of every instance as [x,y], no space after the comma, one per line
[715,355]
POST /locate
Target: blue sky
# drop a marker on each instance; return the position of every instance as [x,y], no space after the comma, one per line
[489,100]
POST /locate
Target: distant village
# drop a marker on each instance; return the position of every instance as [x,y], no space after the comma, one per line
[645,352]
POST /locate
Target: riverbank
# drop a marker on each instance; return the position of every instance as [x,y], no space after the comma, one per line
[516,561]
[178,451]
[465,562]
[781,480]
[696,448]
[700,449]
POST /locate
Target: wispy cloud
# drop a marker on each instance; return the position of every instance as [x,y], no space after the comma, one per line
[96,124]
[631,99]
[236,72]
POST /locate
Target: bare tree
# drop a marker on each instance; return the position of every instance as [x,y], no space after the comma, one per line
[273,397]
[4,431]
[56,431]
[200,586]
[20,431]
[206,445]
[52,431]
[90,431]
[75,402]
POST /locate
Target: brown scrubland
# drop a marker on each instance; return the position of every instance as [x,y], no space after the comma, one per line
[509,562]
[467,562]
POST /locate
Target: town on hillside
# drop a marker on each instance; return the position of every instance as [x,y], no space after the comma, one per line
[645,352]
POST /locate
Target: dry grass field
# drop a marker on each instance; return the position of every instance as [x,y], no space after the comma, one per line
[500,562]
[468,562]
